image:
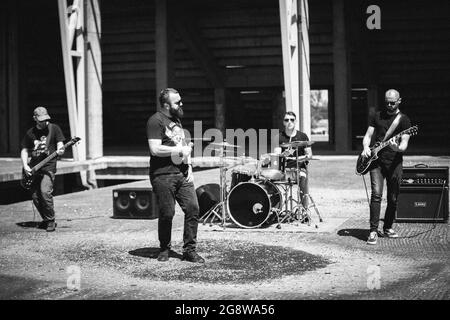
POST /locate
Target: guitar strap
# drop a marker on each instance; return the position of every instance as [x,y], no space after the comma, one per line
[49,136]
[393,126]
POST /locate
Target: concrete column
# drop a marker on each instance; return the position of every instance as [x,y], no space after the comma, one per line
[290,50]
[304,116]
[342,83]
[94,95]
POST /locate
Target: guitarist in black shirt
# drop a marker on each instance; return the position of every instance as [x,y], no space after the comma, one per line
[40,141]
[384,125]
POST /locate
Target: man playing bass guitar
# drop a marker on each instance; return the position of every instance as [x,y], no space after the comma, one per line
[385,124]
[41,140]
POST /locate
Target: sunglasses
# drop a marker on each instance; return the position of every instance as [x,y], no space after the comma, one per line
[391,103]
[289,119]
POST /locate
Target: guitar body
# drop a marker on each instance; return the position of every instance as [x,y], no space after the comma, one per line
[363,164]
[27,180]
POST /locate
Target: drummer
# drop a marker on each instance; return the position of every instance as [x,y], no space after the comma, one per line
[290,134]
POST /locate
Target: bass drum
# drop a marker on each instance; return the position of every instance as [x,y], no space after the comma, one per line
[250,204]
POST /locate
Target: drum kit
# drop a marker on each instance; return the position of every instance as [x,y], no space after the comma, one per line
[261,191]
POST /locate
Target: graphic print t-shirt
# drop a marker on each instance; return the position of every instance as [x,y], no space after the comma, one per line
[299,136]
[170,132]
[381,121]
[35,140]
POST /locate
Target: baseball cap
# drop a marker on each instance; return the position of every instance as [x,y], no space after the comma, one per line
[41,114]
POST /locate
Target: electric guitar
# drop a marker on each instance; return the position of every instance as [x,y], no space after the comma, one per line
[27,180]
[363,163]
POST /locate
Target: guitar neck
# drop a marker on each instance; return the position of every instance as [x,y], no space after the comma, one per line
[43,162]
[50,157]
[386,143]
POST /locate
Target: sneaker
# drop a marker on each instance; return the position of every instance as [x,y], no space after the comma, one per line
[163,256]
[373,236]
[51,226]
[193,256]
[390,233]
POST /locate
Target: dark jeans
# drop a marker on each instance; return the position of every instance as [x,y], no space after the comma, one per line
[169,188]
[393,175]
[41,193]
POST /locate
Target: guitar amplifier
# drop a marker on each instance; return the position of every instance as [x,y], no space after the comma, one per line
[423,194]
[134,203]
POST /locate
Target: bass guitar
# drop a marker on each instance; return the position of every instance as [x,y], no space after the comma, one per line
[363,163]
[27,180]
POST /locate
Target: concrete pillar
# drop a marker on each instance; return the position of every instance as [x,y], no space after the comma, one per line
[342,83]
[290,51]
[94,95]
[304,116]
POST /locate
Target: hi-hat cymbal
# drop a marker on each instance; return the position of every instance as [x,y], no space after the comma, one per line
[224,144]
[241,158]
[295,144]
[199,139]
[301,158]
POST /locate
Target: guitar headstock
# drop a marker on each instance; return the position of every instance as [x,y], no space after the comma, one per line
[73,141]
[412,130]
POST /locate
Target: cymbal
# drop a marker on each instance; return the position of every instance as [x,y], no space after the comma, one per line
[241,158]
[295,144]
[199,139]
[301,158]
[224,144]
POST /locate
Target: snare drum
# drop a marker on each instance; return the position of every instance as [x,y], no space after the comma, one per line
[276,161]
[291,173]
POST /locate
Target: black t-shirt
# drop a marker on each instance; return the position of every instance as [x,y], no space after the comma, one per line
[35,140]
[381,121]
[299,136]
[170,132]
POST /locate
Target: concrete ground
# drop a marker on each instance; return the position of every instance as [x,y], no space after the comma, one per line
[92,256]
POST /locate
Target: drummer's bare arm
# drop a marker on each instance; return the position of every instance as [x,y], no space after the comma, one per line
[308,152]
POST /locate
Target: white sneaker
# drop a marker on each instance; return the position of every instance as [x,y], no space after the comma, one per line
[373,237]
[390,233]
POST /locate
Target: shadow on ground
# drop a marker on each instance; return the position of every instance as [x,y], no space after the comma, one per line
[232,262]
[153,253]
[360,234]
[31,224]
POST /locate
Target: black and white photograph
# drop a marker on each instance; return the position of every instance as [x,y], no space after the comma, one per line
[225,156]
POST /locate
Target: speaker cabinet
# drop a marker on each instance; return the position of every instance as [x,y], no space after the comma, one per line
[422,204]
[134,203]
